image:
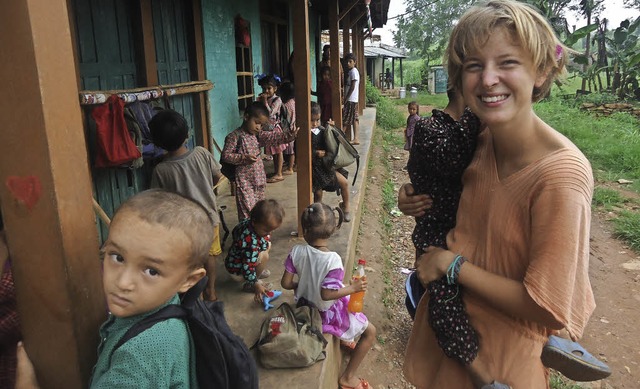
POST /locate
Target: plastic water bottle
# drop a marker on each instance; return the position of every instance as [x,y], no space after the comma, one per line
[356,300]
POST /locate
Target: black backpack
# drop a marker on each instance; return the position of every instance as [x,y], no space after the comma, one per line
[223,361]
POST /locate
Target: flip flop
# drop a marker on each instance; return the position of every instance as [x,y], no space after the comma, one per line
[572,360]
[363,384]
[347,215]
[274,179]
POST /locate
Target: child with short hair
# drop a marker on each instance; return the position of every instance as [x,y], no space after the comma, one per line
[350,102]
[320,284]
[324,176]
[242,149]
[273,102]
[287,94]
[190,173]
[325,86]
[251,243]
[412,119]
[157,246]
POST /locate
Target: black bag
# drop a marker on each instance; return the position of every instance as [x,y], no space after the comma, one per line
[229,169]
[222,358]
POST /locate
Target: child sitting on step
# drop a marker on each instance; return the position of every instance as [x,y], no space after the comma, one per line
[320,284]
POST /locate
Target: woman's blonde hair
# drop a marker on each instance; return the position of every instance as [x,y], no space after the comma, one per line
[527,28]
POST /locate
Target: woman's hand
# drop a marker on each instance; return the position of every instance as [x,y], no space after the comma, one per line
[433,264]
[412,204]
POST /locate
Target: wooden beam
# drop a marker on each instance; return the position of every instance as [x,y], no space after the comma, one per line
[148,44]
[346,36]
[204,132]
[346,9]
[302,75]
[355,20]
[336,91]
[362,97]
[51,229]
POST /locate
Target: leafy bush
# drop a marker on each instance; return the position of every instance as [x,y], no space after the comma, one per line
[387,116]
[373,94]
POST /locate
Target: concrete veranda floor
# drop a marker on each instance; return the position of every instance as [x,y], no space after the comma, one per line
[245,316]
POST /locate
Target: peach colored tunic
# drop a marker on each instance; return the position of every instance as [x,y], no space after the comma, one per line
[532,226]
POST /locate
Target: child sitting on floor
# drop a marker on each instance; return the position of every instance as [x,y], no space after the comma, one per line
[242,148]
[249,252]
[320,284]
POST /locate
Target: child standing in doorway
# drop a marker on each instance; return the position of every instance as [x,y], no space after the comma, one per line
[273,102]
[412,119]
[320,284]
[350,120]
[287,94]
[249,252]
[325,177]
[325,87]
[242,148]
[190,173]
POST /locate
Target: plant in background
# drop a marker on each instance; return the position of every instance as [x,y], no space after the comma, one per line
[624,52]
[372,93]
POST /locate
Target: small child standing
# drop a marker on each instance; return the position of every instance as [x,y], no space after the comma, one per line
[190,173]
[351,95]
[273,102]
[414,116]
[324,94]
[242,148]
[287,94]
[325,177]
[249,252]
[320,284]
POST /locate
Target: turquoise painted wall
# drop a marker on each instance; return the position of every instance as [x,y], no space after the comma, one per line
[220,59]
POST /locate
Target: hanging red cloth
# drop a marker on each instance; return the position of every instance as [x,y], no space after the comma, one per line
[114,144]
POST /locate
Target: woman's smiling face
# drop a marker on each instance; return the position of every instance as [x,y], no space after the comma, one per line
[498,79]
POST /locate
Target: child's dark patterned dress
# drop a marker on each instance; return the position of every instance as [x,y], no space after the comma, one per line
[441,151]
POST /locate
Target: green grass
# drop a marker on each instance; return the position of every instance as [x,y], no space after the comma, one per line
[559,382]
[611,144]
[387,116]
[439,100]
[627,228]
[608,198]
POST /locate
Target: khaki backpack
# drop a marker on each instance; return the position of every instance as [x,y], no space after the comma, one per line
[339,151]
[291,337]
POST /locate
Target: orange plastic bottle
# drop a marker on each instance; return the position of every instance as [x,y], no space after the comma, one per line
[356,300]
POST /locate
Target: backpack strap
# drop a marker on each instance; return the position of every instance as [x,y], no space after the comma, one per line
[169,312]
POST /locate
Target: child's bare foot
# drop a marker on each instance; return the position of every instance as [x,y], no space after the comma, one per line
[273,179]
[287,172]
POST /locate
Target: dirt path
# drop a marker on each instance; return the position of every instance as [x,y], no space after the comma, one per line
[615,277]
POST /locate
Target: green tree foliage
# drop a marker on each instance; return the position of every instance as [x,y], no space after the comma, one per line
[426,26]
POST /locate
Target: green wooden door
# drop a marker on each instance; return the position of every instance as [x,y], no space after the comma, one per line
[171,23]
[107,60]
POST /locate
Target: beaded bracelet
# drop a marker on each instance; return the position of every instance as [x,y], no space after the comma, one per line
[454,269]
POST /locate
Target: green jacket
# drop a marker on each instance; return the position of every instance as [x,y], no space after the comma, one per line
[162,356]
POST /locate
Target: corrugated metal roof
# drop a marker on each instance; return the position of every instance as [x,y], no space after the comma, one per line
[386,52]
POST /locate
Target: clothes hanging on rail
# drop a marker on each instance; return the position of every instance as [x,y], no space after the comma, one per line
[114,144]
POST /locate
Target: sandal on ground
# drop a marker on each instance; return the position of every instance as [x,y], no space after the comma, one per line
[572,360]
[363,384]
[273,179]
[355,142]
[265,274]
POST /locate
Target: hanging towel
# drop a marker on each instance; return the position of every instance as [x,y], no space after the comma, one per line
[114,144]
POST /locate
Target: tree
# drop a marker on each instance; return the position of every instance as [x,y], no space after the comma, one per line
[425,28]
